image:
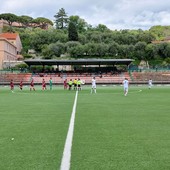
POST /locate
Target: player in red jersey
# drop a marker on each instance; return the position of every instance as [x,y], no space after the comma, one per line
[43,85]
[32,85]
[12,85]
[65,84]
[21,85]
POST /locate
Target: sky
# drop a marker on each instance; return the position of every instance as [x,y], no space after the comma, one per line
[115,14]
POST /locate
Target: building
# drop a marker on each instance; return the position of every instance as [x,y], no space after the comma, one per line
[14,39]
[3,23]
[10,49]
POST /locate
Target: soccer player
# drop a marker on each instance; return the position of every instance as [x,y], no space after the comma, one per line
[70,83]
[75,84]
[51,83]
[12,85]
[93,89]
[21,85]
[150,83]
[43,85]
[32,85]
[78,84]
[65,84]
[125,86]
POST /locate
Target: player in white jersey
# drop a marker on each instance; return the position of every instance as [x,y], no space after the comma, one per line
[150,83]
[125,86]
[93,89]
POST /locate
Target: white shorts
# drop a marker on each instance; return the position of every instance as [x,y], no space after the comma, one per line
[93,86]
[126,88]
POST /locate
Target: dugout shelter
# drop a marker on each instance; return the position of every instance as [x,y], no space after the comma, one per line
[79,62]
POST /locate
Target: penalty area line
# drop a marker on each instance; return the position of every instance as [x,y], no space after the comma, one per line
[135,91]
[130,92]
[65,163]
[23,93]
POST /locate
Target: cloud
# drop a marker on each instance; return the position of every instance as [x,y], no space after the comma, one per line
[122,14]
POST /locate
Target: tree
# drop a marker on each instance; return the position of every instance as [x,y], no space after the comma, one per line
[167,50]
[41,37]
[129,38]
[113,49]
[25,37]
[160,32]
[71,48]
[81,24]
[107,37]
[93,36]
[72,32]
[146,36]
[162,50]
[25,20]
[140,50]
[61,19]
[101,49]
[102,28]
[53,50]
[71,44]
[125,51]
[77,51]
[151,51]
[82,39]
[10,18]
[91,49]
[42,22]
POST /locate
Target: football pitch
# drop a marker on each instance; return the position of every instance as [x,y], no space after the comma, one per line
[111,131]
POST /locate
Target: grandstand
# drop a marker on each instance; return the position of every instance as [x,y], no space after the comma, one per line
[105,78]
[161,77]
[5,78]
[104,75]
[58,78]
[101,78]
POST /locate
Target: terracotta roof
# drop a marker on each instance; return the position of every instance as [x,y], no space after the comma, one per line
[4,39]
[9,36]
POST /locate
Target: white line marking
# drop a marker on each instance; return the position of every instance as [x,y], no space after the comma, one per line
[138,91]
[16,92]
[135,91]
[65,163]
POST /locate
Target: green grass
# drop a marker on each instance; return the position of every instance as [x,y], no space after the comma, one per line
[38,122]
[111,131]
[122,133]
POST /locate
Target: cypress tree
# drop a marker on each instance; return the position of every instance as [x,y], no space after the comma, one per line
[72,32]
